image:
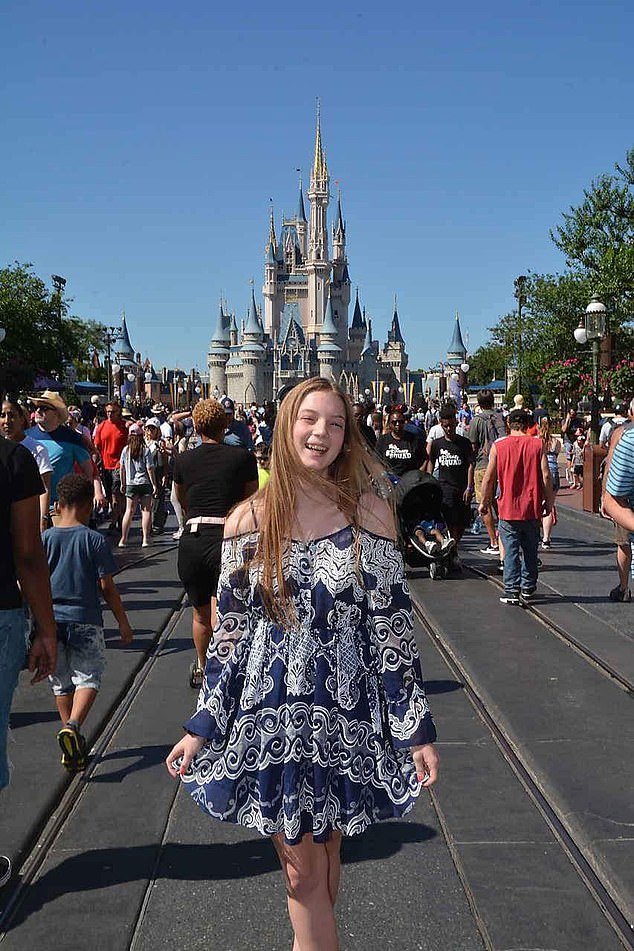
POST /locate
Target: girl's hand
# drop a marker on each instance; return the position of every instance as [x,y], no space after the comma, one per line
[184,750]
[427,763]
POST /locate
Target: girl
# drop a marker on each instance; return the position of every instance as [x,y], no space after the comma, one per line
[552,446]
[138,484]
[312,721]
[578,447]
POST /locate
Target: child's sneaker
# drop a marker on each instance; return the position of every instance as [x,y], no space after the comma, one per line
[73,747]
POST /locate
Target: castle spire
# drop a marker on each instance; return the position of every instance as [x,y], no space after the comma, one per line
[357,318]
[320,169]
[301,214]
[272,238]
[457,350]
[394,334]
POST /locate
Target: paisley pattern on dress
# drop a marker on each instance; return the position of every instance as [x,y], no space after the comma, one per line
[308,728]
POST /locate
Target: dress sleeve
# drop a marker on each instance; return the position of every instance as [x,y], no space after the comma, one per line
[233,610]
[391,626]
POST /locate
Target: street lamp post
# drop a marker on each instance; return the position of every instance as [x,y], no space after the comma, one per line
[464,369]
[110,335]
[592,329]
[520,296]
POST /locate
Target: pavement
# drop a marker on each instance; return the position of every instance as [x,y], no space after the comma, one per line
[474,865]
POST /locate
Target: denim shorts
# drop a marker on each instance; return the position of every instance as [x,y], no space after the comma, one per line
[81,657]
[13,626]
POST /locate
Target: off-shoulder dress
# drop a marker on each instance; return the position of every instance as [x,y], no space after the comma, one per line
[308,727]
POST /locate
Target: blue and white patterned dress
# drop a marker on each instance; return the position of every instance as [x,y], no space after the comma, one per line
[308,729]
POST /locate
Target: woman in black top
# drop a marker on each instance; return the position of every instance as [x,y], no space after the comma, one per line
[209,481]
[399,449]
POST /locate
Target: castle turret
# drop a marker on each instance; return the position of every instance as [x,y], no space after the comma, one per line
[328,351]
[219,353]
[457,351]
[394,357]
[270,279]
[252,355]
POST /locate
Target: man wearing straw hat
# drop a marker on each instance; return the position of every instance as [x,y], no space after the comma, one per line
[65,446]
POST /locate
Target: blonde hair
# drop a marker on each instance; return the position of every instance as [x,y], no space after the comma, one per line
[209,418]
[354,472]
[545,431]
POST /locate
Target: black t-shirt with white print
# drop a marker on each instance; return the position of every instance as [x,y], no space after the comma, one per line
[401,455]
[453,457]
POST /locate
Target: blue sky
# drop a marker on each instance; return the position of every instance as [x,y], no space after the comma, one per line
[143,141]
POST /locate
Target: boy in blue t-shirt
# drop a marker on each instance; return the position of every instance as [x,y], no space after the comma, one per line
[80,563]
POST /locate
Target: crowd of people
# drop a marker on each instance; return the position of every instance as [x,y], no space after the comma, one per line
[312,720]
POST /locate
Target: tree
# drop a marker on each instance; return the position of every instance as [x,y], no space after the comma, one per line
[597,239]
[488,363]
[39,339]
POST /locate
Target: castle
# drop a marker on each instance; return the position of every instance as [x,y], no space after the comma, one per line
[304,329]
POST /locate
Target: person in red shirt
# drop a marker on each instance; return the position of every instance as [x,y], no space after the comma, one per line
[520,466]
[110,439]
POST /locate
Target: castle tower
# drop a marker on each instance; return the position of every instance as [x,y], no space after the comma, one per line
[252,355]
[457,352]
[356,333]
[394,356]
[328,351]
[318,265]
[219,353]
[340,281]
[302,224]
[271,317]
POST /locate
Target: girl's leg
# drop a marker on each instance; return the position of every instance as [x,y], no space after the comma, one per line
[308,870]
[127,519]
[333,850]
[146,518]
[201,631]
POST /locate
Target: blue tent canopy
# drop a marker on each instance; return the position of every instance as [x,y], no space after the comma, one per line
[87,388]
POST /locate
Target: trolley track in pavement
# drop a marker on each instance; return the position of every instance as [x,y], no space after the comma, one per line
[47,832]
[569,639]
[520,767]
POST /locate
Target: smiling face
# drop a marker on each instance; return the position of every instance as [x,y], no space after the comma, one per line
[319,430]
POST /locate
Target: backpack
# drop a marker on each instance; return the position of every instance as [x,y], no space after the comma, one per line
[494,428]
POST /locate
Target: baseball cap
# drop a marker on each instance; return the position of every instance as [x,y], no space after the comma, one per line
[620,409]
[136,430]
[153,421]
[227,405]
[94,399]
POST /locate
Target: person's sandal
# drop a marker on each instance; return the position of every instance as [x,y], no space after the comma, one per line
[196,675]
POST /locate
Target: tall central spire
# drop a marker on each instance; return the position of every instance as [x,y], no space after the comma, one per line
[320,169]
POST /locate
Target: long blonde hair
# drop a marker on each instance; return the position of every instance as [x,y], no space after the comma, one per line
[545,431]
[354,472]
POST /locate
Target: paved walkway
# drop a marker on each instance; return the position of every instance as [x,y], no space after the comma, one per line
[474,865]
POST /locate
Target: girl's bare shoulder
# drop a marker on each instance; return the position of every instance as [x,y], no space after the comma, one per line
[376,516]
[244,518]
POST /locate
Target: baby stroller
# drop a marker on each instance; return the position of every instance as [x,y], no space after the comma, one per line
[418,499]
